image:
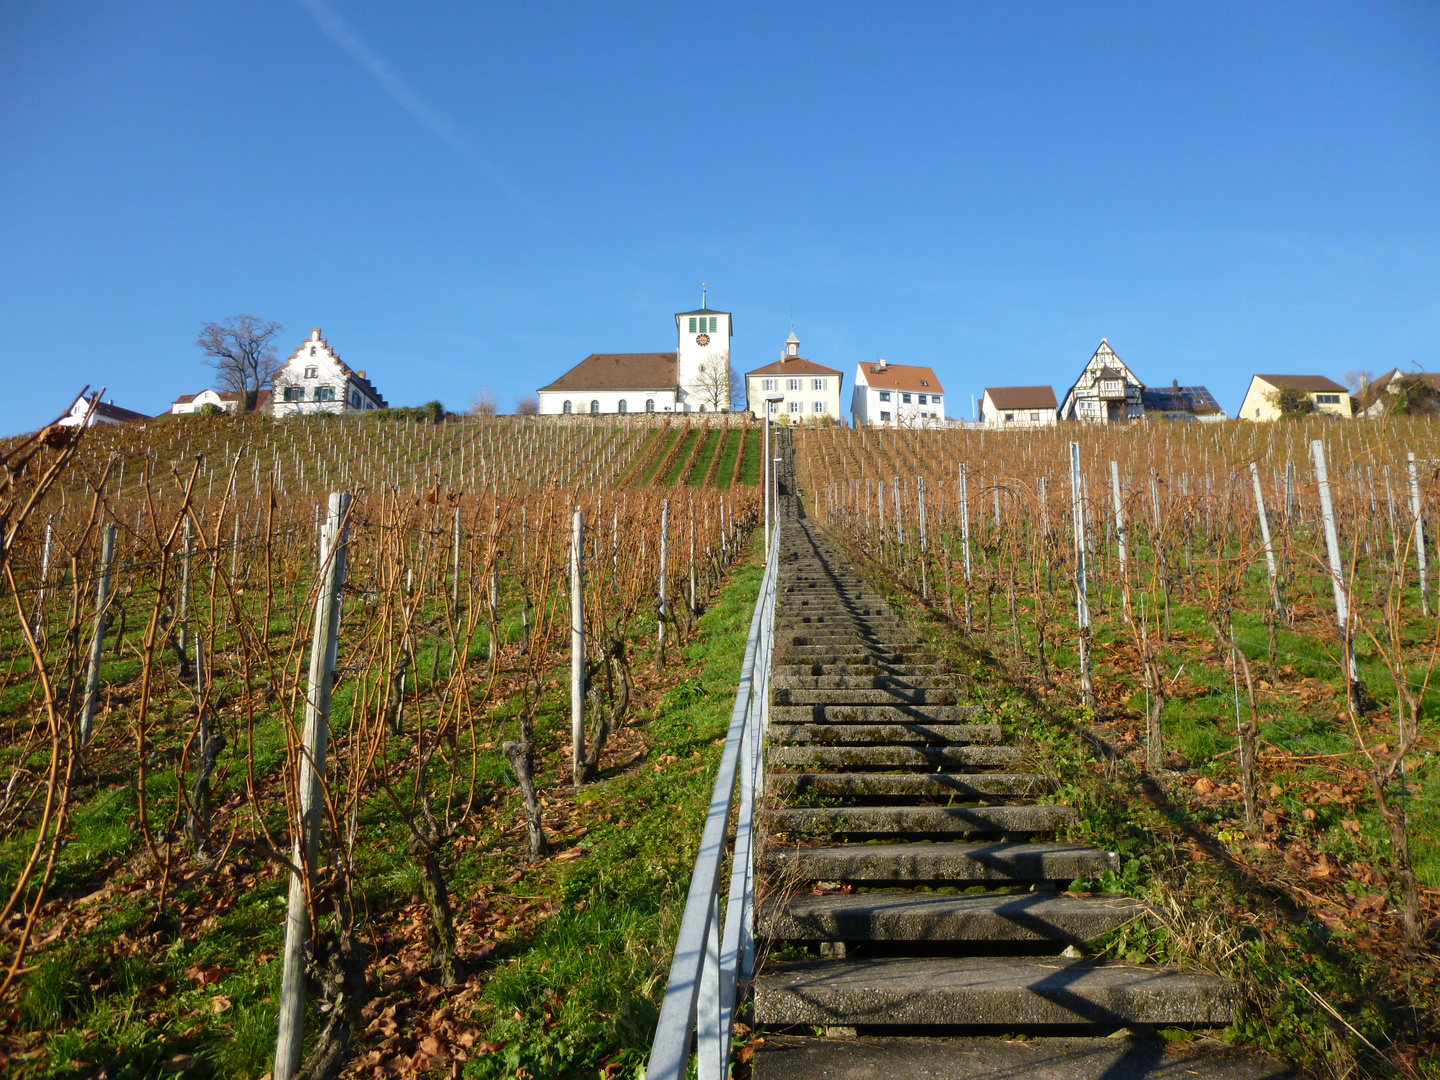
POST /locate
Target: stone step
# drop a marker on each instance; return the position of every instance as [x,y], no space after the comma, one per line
[982,863]
[862,682]
[891,695]
[915,733]
[880,758]
[911,916]
[874,714]
[920,820]
[850,639]
[963,786]
[786,1057]
[1012,992]
[858,667]
[845,653]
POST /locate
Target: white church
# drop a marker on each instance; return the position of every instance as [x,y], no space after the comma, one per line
[693,378]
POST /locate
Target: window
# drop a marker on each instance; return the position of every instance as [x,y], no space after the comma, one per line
[884,417]
[934,399]
[1034,417]
[767,384]
[774,406]
[566,408]
[1257,414]
[650,404]
[697,326]
[312,372]
[794,406]
[1327,399]
[817,384]
[294,393]
[1009,416]
[905,399]
[922,399]
[817,406]
[884,395]
[312,350]
[355,398]
[594,408]
[924,382]
[623,406]
[792,384]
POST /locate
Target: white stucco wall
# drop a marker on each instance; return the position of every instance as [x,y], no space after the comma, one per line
[690,355]
[317,357]
[552,402]
[868,405]
[994,417]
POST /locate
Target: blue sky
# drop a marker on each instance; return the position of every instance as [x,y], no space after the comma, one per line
[482,194]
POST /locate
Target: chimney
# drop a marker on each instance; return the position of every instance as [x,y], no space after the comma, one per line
[1175,384]
[881,366]
[360,372]
[315,334]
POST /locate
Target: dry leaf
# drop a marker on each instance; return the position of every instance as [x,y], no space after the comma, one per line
[219,1004]
[178,1063]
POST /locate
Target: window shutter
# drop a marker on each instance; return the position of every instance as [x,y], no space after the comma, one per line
[712,324]
[692,324]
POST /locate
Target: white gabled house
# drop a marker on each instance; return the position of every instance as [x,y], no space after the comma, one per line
[890,395]
[229,400]
[1107,392]
[106,412]
[315,380]
[1018,406]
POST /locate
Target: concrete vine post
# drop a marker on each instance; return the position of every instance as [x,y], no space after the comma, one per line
[577,647]
[97,642]
[311,779]
[1270,568]
[1121,539]
[1337,579]
[1417,526]
[664,592]
[1082,601]
[965,536]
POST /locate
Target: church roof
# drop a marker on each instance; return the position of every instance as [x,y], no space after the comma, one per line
[620,371]
[795,365]
[702,311]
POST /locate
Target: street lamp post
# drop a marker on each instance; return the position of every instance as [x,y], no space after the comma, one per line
[776,398]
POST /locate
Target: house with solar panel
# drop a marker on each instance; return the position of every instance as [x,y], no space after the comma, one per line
[1108,392]
[1176,402]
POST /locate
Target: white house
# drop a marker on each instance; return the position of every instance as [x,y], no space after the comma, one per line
[1107,392]
[693,378]
[811,390]
[1327,397]
[897,394]
[315,380]
[106,412]
[1018,406]
[229,400]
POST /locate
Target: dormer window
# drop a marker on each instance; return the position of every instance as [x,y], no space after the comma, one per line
[312,372]
[924,382]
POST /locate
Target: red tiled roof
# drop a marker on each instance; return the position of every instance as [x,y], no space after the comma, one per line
[902,377]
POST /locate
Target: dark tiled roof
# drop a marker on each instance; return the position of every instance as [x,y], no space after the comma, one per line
[619,371]
[1311,384]
[702,311]
[795,365]
[1022,397]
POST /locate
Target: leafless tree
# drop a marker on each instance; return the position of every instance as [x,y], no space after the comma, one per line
[529,405]
[714,388]
[241,350]
[1359,380]
[484,403]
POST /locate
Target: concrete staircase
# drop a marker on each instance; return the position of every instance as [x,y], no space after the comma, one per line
[916,903]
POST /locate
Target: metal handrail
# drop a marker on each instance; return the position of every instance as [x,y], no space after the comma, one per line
[711,965]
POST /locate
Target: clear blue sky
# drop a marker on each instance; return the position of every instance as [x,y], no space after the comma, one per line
[465,194]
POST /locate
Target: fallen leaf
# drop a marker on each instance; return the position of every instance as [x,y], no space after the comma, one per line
[569,853]
[1204,786]
[219,1004]
[178,1063]
[1350,825]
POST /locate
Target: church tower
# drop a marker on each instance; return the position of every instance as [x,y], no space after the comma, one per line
[702,351]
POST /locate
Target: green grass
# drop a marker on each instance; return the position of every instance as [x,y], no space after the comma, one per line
[707,452]
[728,449]
[750,464]
[672,474]
[654,467]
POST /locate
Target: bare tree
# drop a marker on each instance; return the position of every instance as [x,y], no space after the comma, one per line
[242,352]
[715,386]
[529,405]
[1358,381]
[484,403]
[737,391]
